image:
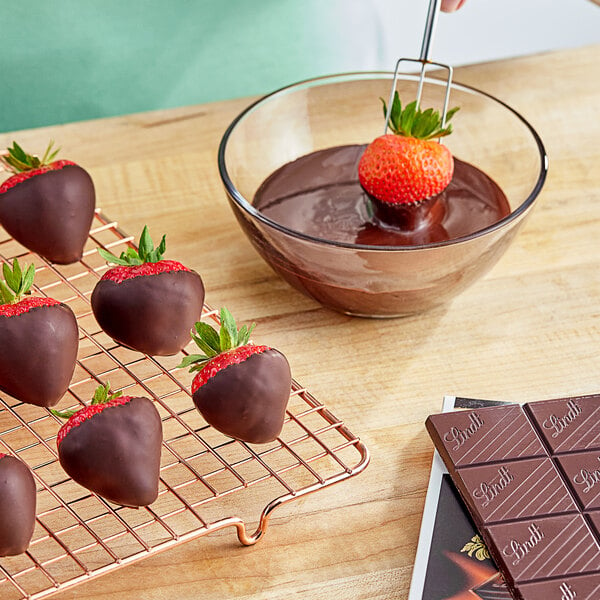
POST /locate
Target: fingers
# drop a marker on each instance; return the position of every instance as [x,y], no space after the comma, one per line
[452,5]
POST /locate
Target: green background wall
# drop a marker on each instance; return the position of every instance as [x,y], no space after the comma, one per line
[69,60]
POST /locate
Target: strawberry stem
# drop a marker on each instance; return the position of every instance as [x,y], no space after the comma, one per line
[146,252]
[213,342]
[102,395]
[16,160]
[411,121]
[63,414]
[16,282]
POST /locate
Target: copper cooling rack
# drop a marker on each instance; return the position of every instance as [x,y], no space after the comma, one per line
[205,477]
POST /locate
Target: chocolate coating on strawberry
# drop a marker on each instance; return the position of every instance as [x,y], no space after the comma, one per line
[39,339]
[152,313]
[247,401]
[241,389]
[146,303]
[12,181]
[112,447]
[17,506]
[38,350]
[47,206]
[407,167]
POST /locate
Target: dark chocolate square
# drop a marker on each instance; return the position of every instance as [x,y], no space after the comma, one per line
[569,424]
[484,435]
[516,490]
[536,549]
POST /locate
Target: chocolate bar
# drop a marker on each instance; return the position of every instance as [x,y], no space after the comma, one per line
[530,477]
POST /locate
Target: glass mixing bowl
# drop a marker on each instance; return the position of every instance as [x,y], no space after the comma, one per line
[365,280]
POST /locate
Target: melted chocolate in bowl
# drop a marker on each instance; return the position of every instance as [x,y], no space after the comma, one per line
[319,195]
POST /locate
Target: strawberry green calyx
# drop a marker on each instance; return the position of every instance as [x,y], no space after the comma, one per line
[411,121]
[213,342]
[146,252]
[17,283]
[102,395]
[16,160]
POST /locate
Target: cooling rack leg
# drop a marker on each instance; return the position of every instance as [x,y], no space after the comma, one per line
[240,526]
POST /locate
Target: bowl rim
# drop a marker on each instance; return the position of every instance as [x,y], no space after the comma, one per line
[248,208]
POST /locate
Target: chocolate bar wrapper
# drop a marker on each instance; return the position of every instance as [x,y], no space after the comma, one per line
[451,559]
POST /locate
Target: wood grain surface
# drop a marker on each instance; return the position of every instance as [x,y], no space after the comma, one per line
[528,330]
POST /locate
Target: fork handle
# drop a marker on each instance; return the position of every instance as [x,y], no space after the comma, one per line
[430,23]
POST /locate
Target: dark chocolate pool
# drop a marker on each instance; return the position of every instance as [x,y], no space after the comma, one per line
[319,195]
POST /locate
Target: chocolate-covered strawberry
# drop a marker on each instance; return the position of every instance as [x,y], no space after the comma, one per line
[38,341]
[241,389]
[147,303]
[17,506]
[403,169]
[112,447]
[47,205]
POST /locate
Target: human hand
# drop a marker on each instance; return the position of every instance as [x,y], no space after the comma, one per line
[452,5]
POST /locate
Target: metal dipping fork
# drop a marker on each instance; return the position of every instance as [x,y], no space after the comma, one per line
[424,62]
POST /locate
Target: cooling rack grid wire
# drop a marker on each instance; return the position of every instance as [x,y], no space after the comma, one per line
[205,476]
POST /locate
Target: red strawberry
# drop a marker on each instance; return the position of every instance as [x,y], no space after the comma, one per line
[47,205]
[112,447]
[17,505]
[407,166]
[240,389]
[147,303]
[39,339]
